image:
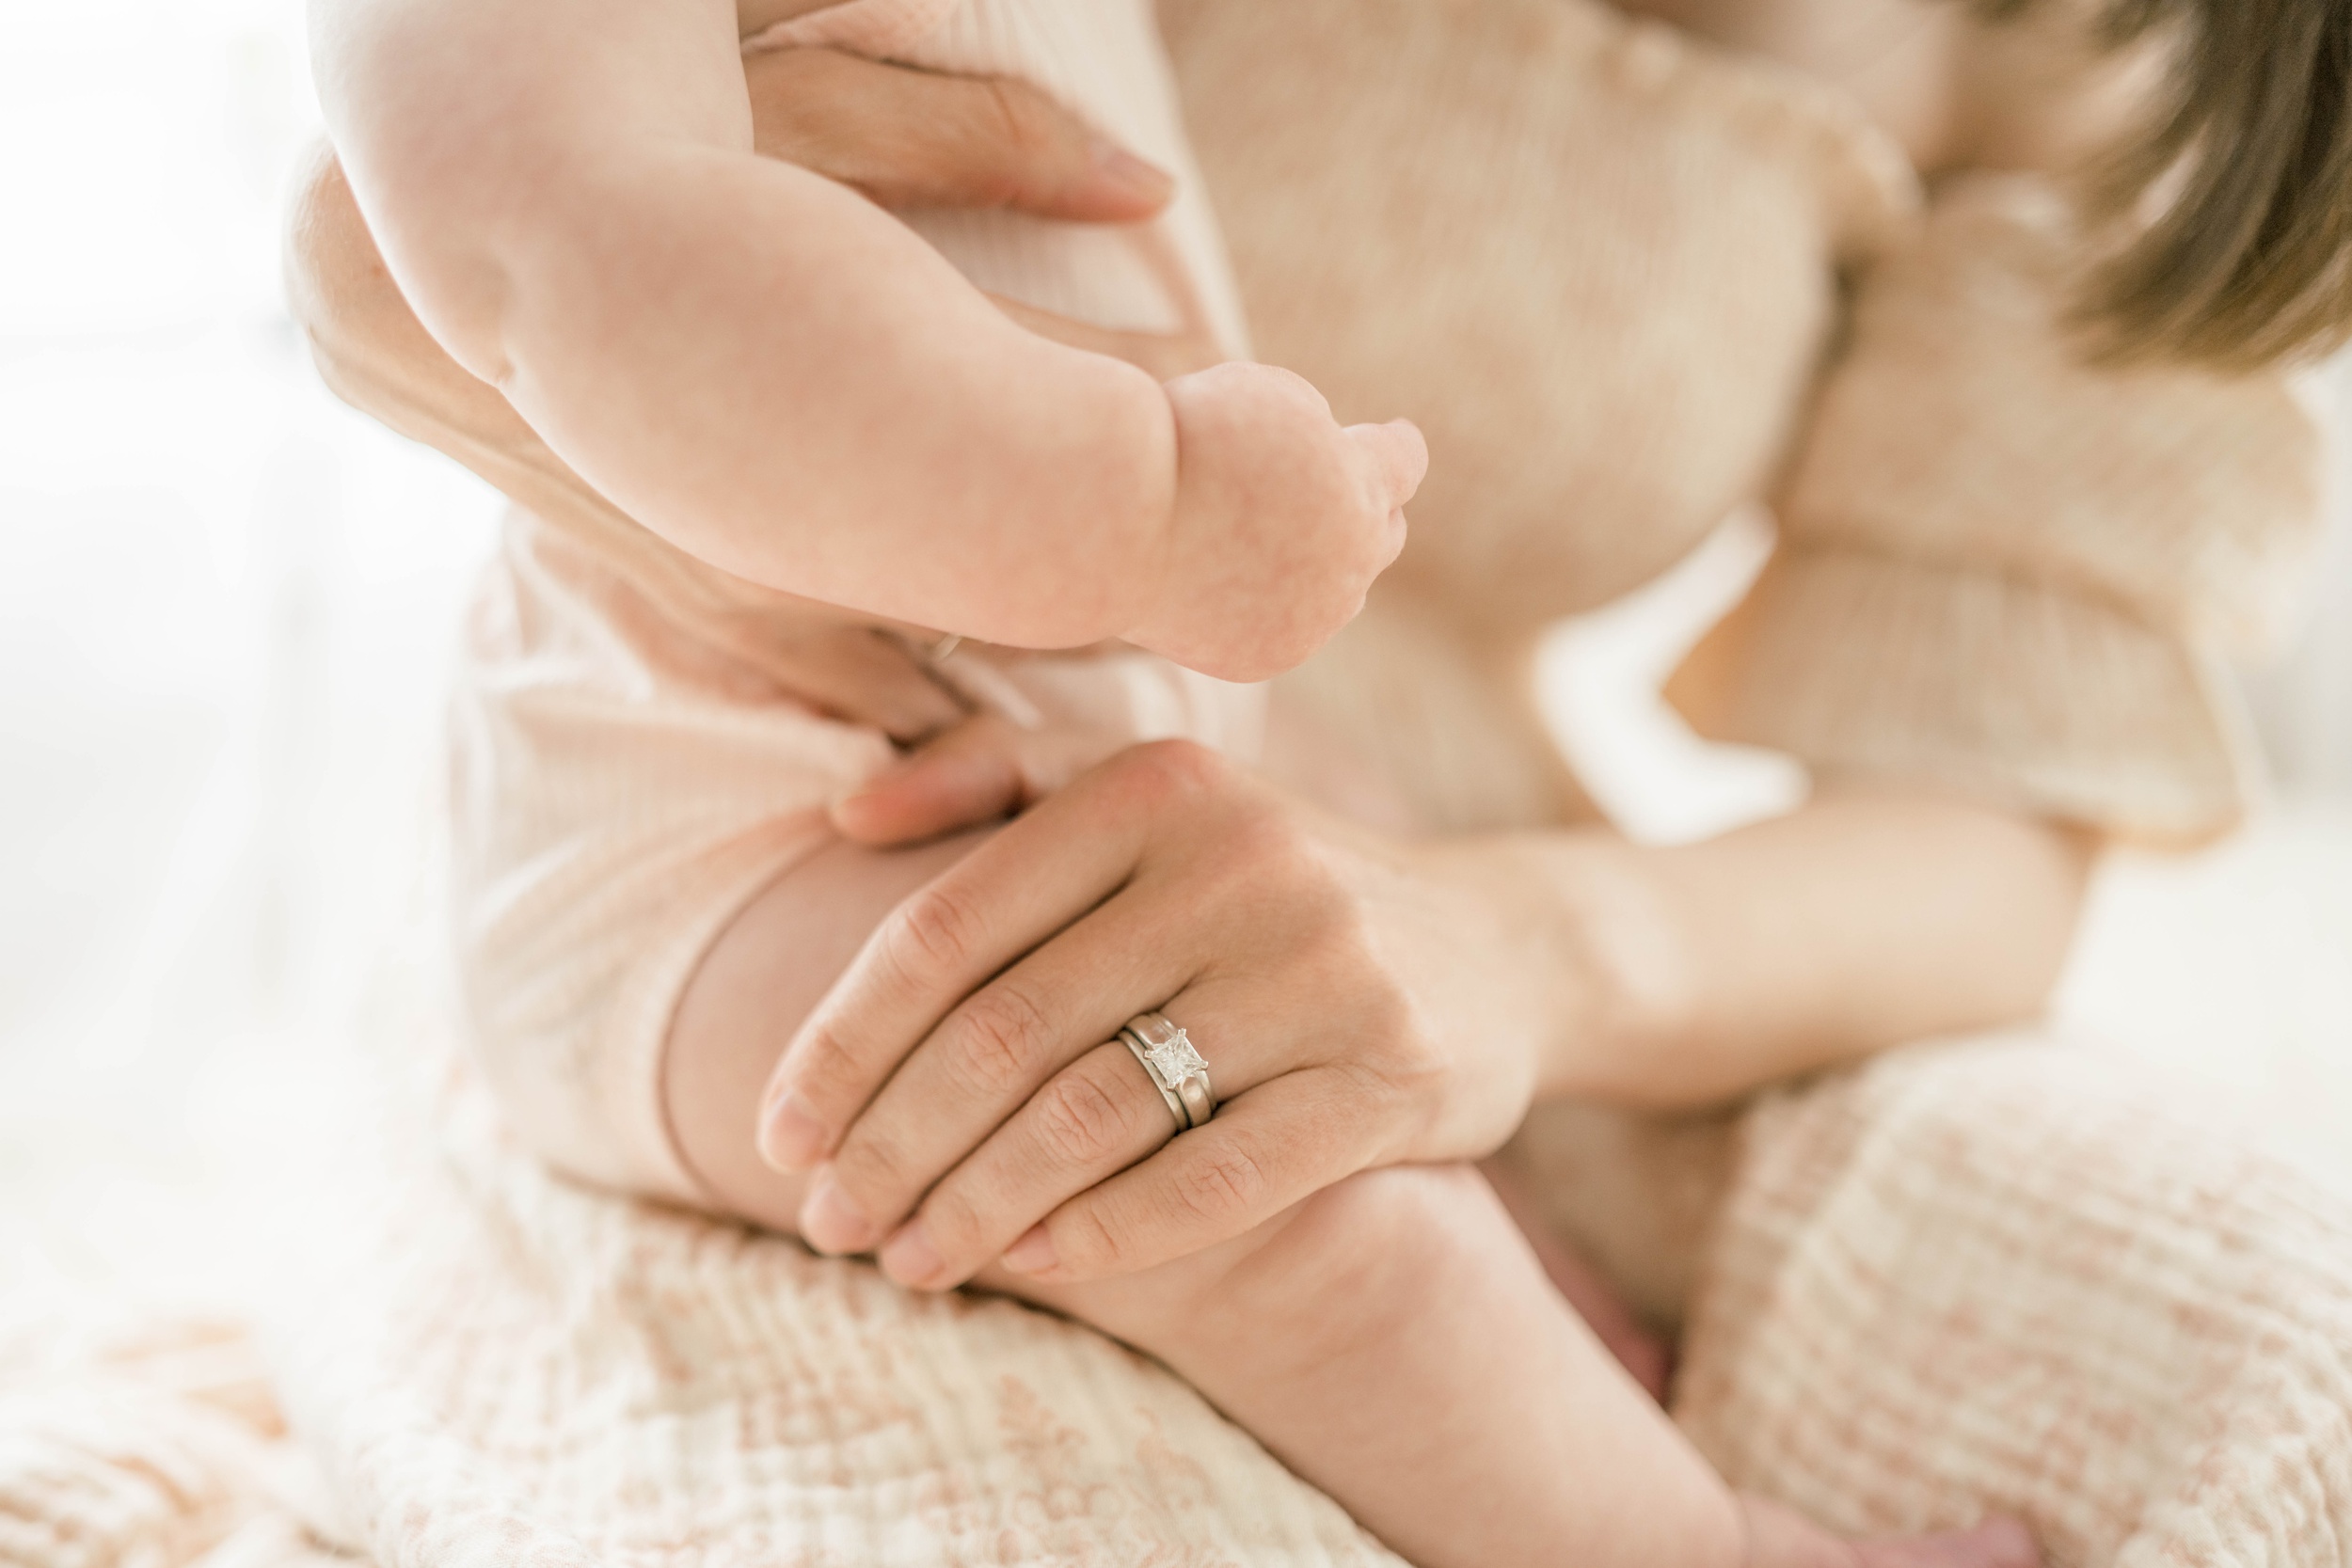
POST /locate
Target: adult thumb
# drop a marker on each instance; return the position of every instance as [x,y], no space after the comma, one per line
[977,772]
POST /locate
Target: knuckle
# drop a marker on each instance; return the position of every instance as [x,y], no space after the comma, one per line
[935,934]
[1079,1122]
[1221,1187]
[828,1065]
[1028,120]
[869,1166]
[957,1227]
[1025,126]
[1173,771]
[1087,1242]
[999,1037]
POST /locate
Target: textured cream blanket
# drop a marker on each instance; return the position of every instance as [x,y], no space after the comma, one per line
[1971,1277]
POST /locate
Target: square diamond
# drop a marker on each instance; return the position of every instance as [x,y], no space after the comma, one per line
[1175,1059]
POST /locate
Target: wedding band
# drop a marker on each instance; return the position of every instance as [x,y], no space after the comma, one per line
[1176,1068]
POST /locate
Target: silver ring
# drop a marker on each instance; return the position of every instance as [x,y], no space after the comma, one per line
[1177,1070]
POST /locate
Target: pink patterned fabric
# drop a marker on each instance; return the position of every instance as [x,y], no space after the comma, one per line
[1986,1276]
[1967,1277]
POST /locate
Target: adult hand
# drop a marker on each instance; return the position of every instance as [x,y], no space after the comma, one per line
[984,768]
[1359,1002]
[916,138]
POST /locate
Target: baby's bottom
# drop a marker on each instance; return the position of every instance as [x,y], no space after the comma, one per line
[1393,1338]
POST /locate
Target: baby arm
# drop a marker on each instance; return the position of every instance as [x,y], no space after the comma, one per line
[774,374]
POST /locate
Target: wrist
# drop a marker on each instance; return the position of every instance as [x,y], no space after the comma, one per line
[1609,988]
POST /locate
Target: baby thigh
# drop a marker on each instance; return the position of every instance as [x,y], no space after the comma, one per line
[1394,1340]
[764,974]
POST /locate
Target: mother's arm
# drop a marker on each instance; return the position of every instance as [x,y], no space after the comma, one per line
[1362,1000]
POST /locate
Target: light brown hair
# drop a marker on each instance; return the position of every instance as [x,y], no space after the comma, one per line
[2251,263]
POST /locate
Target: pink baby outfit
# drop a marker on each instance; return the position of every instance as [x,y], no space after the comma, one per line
[631,767]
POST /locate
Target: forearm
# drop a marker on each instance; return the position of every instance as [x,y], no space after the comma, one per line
[1685,975]
[748,359]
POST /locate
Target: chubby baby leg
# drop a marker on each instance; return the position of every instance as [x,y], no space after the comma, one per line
[1394,1340]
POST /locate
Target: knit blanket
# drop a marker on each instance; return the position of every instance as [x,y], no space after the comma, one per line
[1978,1277]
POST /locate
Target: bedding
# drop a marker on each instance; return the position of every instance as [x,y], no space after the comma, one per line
[1970,1275]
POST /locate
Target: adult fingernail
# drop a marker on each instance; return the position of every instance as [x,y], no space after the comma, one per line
[829,1221]
[1129,175]
[1031,1253]
[792,1139]
[909,1259]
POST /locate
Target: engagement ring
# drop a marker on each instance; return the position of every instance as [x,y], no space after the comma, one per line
[1175,1068]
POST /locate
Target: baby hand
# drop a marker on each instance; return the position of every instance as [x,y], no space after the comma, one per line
[1281,521]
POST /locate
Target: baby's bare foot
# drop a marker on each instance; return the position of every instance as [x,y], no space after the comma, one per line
[1780,1537]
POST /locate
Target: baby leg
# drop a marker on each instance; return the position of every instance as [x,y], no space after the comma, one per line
[1394,1340]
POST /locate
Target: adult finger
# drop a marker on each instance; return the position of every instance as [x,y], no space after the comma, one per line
[1043,871]
[1093,1120]
[983,768]
[858,674]
[916,138]
[985,1060]
[1161,356]
[1266,1149]
[1097,1117]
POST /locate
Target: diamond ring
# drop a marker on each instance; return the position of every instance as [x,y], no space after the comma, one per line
[1175,1068]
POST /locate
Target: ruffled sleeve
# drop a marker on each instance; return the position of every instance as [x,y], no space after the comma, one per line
[2007,571]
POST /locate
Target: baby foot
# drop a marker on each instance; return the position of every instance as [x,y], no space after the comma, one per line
[1780,1537]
